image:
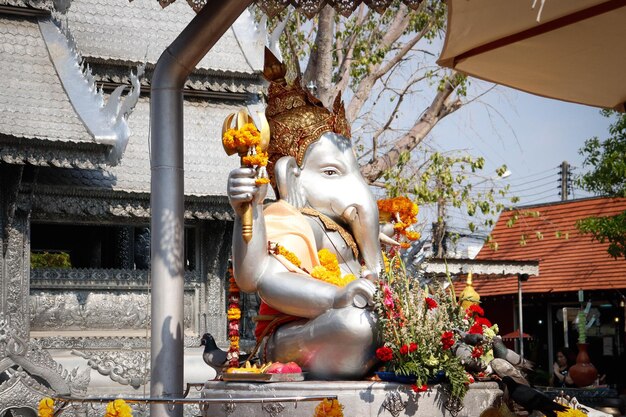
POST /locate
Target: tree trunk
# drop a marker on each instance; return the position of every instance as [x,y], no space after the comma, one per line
[320,66]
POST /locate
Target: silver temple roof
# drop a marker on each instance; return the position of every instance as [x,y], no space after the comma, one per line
[117,30]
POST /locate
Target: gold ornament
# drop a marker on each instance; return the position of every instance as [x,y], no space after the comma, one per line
[469,296]
[296,117]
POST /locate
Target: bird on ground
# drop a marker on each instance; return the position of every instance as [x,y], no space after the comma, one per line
[503,368]
[501,351]
[531,399]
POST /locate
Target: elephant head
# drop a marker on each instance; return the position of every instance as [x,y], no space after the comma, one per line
[329,181]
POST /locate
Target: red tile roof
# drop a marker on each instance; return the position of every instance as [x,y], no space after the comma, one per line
[568,261]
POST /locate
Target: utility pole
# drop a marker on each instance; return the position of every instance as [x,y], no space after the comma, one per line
[565,180]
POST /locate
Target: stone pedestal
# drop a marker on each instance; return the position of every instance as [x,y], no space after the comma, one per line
[359,398]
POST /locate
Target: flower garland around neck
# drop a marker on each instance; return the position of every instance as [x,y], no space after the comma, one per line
[329,408]
[246,142]
[233,315]
[402,212]
[327,271]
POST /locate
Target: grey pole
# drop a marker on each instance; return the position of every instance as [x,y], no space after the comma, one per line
[167,195]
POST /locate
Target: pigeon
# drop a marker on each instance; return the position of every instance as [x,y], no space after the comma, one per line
[503,368]
[212,355]
[501,351]
[464,353]
[531,399]
[470,338]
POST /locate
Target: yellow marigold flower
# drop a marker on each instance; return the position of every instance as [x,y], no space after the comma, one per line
[261,181]
[570,412]
[329,408]
[46,407]
[118,408]
[411,235]
[329,260]
[290,256]
[233,314]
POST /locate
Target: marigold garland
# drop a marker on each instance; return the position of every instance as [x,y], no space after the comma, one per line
[233,315]
[118,408]
[276,249]
[329,408]
[329,270]
[46,407]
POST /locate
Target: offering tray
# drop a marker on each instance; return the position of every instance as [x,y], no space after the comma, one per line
[252,377]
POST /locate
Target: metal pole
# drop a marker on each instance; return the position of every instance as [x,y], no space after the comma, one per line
[520,313]
[167,195]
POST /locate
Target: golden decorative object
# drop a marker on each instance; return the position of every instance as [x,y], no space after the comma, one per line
[243,118]
[469,296]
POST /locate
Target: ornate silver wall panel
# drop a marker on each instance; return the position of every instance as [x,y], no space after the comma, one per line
[15,274]
[92,310]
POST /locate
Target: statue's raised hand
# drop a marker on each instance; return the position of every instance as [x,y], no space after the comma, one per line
[242,189]
[358,293]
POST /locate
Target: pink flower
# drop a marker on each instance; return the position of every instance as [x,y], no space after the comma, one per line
[431,303]
[388,296]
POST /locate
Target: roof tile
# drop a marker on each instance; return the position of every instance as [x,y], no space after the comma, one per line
[569,260]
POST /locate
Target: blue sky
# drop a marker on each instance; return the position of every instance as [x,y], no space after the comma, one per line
[532,135]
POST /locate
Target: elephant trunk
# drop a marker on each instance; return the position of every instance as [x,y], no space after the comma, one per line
[365,228]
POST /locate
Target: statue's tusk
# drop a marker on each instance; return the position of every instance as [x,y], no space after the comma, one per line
[387,240]
[350,214]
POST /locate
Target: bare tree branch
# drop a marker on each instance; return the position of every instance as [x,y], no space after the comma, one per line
[442,105]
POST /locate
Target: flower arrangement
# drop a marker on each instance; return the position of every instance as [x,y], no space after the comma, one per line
[247,142]
[402,213]
[233,315]
[421,330]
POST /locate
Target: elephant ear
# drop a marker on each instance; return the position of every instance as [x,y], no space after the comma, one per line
[287,175]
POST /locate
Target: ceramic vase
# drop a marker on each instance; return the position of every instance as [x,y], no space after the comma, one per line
[583,373]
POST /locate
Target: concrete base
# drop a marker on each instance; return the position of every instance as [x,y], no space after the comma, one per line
[362,399]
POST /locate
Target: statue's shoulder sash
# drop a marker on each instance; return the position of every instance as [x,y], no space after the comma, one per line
[330,224]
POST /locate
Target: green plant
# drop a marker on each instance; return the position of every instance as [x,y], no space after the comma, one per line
[582,326]
[50,260]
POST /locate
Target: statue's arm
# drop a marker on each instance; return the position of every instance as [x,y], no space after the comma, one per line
[250,259]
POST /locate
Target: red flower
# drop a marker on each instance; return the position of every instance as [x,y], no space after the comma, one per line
[475,309]
[476,328]
[470,379]
[477,352]
[415,388]
[482,321]
[404,349]
[431,303]
[447,340]
[412,347]
[384,354]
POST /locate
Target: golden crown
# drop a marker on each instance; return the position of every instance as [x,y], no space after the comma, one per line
[296,117]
